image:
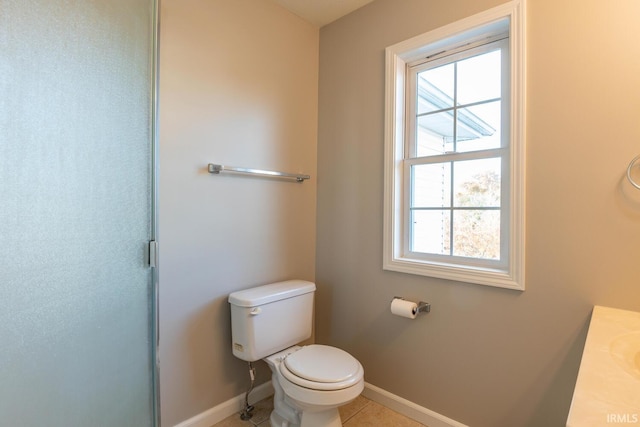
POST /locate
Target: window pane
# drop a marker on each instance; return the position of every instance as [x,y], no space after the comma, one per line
[479,78]
[477,183]
[431,185]
[478,127]
[430,231]
[434,134]
[435,89]
[476,234]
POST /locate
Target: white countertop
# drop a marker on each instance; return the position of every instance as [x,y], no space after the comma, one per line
[607,391]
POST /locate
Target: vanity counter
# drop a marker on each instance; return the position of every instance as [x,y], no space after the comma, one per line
[607,391]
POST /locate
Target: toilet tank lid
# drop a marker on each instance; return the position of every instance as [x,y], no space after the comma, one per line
[269,293]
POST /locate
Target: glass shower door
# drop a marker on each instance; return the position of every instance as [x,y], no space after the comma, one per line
[77,294]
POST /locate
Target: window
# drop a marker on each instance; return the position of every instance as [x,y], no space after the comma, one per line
[454,176]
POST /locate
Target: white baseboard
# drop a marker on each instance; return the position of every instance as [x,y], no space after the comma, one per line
[228,408]
[407,408]
[391,401]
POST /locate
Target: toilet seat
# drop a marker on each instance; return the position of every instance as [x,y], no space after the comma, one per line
[321,367]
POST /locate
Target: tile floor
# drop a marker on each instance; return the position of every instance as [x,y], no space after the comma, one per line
[362,412]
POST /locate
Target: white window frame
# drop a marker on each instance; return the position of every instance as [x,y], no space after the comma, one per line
[510,17]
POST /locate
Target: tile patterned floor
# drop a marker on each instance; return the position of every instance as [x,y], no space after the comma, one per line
[362,412]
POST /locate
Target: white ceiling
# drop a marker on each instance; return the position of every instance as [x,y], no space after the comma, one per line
[322,12]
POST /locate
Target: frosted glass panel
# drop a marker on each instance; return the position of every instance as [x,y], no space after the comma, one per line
[75,213]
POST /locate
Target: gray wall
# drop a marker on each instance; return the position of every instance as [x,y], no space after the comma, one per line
[486,356]
[238,86]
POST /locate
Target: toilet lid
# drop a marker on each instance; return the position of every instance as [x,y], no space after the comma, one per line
[322,364]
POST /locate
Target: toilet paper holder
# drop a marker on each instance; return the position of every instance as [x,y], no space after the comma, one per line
[423,307]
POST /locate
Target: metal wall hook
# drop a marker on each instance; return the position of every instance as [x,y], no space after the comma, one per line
[631,165]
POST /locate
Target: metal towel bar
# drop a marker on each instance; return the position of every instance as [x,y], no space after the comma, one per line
[216,169]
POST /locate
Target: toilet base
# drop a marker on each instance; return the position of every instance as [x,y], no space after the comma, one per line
[283,414]
[277,421]
[328,418]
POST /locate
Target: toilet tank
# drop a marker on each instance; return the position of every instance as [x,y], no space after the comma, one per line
[270,318]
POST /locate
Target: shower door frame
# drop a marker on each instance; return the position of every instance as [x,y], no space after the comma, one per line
[153,244]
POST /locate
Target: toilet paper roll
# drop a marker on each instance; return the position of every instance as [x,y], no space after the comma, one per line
[403,308]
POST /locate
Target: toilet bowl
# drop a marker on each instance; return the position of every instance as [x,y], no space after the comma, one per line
[310,384]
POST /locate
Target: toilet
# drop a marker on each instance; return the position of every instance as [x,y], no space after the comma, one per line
[310,382]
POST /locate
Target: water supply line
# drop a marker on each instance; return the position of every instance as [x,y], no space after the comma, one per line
[246,412]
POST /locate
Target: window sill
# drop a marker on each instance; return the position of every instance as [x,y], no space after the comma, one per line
[467,274]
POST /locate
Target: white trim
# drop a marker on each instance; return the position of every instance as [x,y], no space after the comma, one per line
[389,400]
[518,133]
[397,56]
[407,408]
[228,408]
[416,47]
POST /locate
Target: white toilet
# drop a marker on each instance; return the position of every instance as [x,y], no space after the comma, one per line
[310,382]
